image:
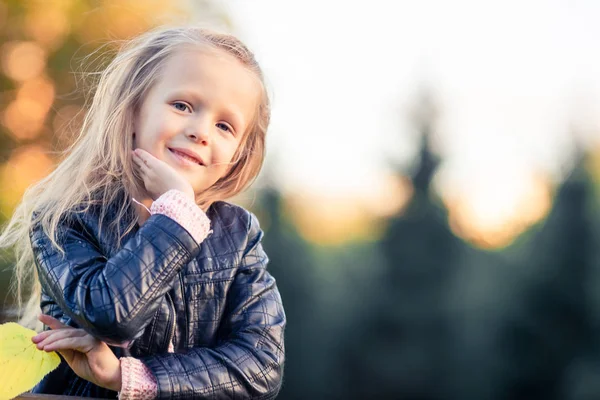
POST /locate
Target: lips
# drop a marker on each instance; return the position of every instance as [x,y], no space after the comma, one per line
[187,155]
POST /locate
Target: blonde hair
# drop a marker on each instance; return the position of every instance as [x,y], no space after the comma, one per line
[98,169]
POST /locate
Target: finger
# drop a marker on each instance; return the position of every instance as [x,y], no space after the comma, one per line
[139,162]
[53,323]
[60,334]
[83,344]
[146,157]
[144,171]
[151,162]
[41,336]
[52,335]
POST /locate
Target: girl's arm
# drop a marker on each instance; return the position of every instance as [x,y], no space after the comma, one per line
[115,298]
[248,360]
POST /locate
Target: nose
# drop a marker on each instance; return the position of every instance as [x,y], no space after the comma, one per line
[197,136]
[199,130]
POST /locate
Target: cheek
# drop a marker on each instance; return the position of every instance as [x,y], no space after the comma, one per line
[154,131]
[225,152]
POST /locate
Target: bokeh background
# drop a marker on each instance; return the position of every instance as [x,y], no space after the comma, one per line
[431,192]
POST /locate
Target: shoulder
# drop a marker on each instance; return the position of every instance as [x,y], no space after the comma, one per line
[234,221]
[78,222]
[40,222]
[87,216]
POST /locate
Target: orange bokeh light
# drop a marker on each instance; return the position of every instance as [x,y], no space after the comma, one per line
[47,24]
[26,166]
[494,219]
[22,60]
[40,90]
[337,219]
[393,195]
[122,19]
[24,117]
[594,163]
[331,221]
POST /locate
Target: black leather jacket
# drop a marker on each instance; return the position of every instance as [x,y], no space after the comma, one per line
[216,302]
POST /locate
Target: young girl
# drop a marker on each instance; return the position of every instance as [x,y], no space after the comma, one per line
[154,287]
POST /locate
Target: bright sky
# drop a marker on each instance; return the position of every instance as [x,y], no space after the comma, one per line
[511,77]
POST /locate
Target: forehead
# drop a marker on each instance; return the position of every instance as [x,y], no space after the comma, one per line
[212,74]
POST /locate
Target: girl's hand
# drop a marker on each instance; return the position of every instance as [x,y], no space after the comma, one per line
[87,356]
[158,176]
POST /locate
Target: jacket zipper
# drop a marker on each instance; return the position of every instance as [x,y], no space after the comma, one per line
[172,330]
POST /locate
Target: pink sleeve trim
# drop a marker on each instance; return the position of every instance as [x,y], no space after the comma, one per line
[137,381]
[181,208]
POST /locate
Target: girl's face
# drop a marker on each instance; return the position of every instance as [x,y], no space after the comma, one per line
[196,114]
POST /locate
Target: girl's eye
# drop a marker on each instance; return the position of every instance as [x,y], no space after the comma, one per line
[181,106]
[224,127]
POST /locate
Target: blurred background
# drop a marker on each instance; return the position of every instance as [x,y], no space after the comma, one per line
[431,194]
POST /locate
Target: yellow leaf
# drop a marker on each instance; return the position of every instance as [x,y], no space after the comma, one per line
[22,365]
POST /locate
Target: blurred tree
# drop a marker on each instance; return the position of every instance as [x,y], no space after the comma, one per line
[401,349]
[551,329]
[291,264]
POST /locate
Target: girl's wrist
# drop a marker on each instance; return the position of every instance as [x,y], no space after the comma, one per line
[116,382]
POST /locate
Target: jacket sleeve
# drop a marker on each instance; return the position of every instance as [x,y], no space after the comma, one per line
[112,298]
[247,361]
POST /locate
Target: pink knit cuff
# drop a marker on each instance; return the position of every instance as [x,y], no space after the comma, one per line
[181,208]
[137,381]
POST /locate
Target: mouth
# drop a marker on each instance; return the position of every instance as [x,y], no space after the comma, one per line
[185,157]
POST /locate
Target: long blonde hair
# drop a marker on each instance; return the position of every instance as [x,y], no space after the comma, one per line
[98,169]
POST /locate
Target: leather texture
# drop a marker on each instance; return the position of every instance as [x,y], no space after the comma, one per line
[216,301]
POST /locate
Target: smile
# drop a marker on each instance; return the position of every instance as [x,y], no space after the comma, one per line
[184,159]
